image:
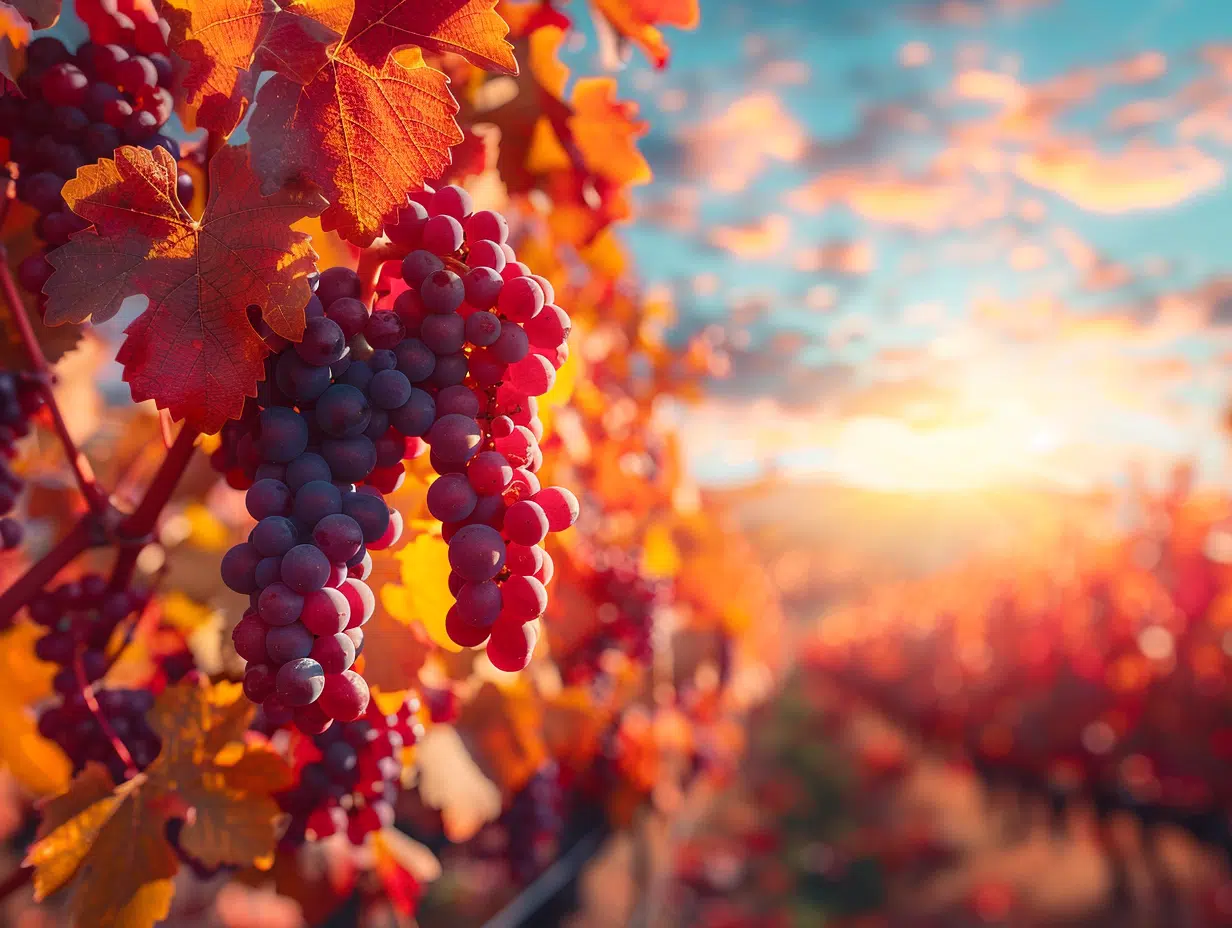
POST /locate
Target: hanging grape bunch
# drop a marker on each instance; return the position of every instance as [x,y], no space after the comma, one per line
[352,780]
[456,365]
[79,107]
[91,722]
[487,335]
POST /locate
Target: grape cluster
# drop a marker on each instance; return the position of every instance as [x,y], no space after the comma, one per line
[21,396]
[627,602]
[79,107]
[80,617]
[330,428]
[352,786]
[534,823]
[479,337]
[316,450]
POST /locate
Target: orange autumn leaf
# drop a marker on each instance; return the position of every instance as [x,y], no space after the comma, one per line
[194,350]
[635,20]
[506,729]
[606,131]
[365,135]
[227,43]
[112,844]
[470,28]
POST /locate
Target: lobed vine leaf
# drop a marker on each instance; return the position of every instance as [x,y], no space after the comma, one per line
[227,43]
[112,844]
[194,350]
[470,28]
[365,135]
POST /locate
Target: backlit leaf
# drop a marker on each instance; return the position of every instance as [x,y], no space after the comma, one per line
[470,28]
[227,43]
[113,844]
[636,20]
[423,595]
[193,350]
[366,135]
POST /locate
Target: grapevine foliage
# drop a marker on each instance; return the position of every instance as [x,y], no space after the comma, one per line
[374,346]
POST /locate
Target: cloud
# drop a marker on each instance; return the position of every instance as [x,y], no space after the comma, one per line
[1137,178]
[765,238]
[732,149]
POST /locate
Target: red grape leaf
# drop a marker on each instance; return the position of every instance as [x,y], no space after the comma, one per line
[193,350]
[470,28]
[227,43]
[364,135]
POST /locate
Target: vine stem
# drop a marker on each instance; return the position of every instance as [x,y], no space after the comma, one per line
[87,692]
[141,521]
[84,535]
[96,499]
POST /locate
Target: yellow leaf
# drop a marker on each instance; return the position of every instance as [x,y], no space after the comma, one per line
[423,595]
[38,765]
[606,131]
[113,844]
[660,557]
[205,530]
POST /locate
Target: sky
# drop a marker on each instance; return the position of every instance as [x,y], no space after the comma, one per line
[939,244]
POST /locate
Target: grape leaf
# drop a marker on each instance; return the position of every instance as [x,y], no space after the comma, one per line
[112,844]
[421,597]
[364,134]
[36,763]
[193,350]
[470,28]
[505,729]
[635,21]
[451,782]
[227,43]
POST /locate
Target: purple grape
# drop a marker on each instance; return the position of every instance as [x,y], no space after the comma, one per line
[442,292]
[482,328]
[268,497]
[414,359]
[418,265]
[370,512]
[288,642]
[351,459]
[451,498]
[305,568]
[414,417]
[299,682]
[342,412]
[315,500]
[389,389]
[323,342]
[339,537]
[477,552]
[305,468]
[455,438]
[274,536]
